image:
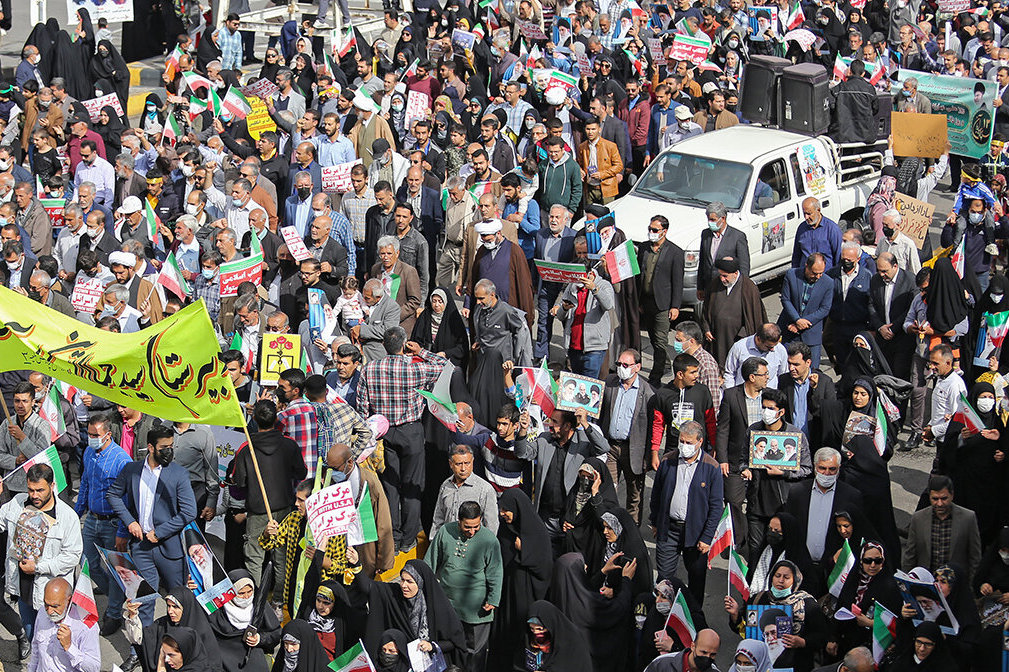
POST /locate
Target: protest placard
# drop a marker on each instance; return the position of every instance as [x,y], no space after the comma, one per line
[418,106]
[295,245]
[280,353]
[552,271]
[916,216]
[114,12]
[693,49]
[261,88]
[584,65]
[95,105]
[54,208]
[531,31]
[330,512]
[463,39]
[234,273]
[87,293]
[258,120]
[336,179]
[915,134]
[953,6]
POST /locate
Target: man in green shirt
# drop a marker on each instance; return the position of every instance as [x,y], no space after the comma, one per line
[466,558]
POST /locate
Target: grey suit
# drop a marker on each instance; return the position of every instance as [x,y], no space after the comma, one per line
[964,547]
[384,315]
[629,456]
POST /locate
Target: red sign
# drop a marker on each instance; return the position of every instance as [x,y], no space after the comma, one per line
[234,273]
[54,208]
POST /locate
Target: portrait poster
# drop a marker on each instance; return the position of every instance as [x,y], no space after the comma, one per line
[779,450]
[927,601]
[768,623]
[121,567]
[575,392]
[213,588]
[857,424]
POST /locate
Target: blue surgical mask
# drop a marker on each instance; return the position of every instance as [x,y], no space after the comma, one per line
[976,217]
[780,592]
[95,442]
[208,273]
[237,202]
[677,346]
[339,476]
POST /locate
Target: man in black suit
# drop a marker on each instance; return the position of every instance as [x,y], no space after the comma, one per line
[721,239]
[813,505]
[740,408]
[660,286]
[849,309]
[891,291]
[805,388]
[427,208]
[18,270]
[331,255]
[98,238]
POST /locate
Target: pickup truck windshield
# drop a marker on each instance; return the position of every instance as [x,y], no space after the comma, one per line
[695,180]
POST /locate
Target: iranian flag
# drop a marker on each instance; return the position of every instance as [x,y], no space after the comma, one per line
[723,536]
[841,67]
[958,257]
[875,72]
[879,433]
[998,325]
[171,278]
[680,621]
[348,42]
[51,457]
[543,389]
[683,28]
[481,188]
[236,103]
[153,222]
[484,4]
[172,132]
[84,597]
[39,191]
[196,107]
[172,62]
[967,416]
[795,16]
[533,56]
[737,574]
[214,104]
[50,412]
[708,66]
[195,81]
[66,390]
[245,347]
[439,399]
[356,659]
[411,69]
[884,631]
[636,10]
[622,262]
[845,561]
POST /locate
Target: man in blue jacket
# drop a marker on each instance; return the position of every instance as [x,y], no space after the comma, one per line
[685,508]
[806,297]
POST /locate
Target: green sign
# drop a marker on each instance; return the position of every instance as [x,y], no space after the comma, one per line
[968,105]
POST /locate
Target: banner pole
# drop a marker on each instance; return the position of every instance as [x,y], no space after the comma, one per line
[7,413]
[259,475]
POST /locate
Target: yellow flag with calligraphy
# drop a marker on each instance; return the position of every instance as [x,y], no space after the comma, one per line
[169,370]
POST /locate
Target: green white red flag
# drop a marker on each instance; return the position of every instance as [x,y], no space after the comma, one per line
[171,278]
[153,225]
[51,457]
[245,347]
[236,103]
[879,433]
[356,659]
[844,564]
[884,631]
[680,621]
[84,597]
[723,536]
[622,262]
[172,130]
[998,325]
[737,574]
[51,413]
[967,416]
[542,389]
[439,399]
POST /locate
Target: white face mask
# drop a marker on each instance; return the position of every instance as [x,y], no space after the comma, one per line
[1005,556]
[985,404]
[770,415]
[687,450]
[625,372]
[490,245]
[319,213]
[191,209]
[242,602]
[653,237]
[188,170]
[826,481]
[997,298]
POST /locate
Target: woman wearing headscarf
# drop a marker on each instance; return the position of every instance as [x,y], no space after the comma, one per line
[553,641]
[332,618]
[865,360]
[592,496]
[953,584]
[182,611]
[945,302]
[300,650]
[783,540]
[654,638]
[271,64]
[152,119]
[304,76]
[751,656]
[994,300]
[242,651]
[207,50]
[441,329]
[72,60]
[809,627]
[926,651]
[392,655]
[604,615]
[869,582]
[527,561]
[525,139]
[471,117]
[111,129]
[617,533]
[107,64]
[182,650]
[417,606]
[858,22]
[409,47]
[976,461]
[881,198]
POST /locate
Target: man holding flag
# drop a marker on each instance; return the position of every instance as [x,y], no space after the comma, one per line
[62,641]
[685,508]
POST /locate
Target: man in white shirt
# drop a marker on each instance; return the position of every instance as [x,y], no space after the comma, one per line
[69,240]
[766,344]
[946,395]
[898,243]
[62,642]
[236,217]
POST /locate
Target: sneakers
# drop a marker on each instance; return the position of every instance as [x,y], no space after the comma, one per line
[321,24]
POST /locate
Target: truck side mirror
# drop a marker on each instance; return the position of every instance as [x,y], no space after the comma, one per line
[765,202]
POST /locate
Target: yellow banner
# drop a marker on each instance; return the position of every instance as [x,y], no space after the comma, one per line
[169,370]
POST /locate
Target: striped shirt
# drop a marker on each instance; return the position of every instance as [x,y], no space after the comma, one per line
[100,471]
[502,466]
[298,422]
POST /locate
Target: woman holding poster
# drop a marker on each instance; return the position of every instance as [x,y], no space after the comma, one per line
[182,612]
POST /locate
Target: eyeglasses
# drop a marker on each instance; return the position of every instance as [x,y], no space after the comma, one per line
[924,643]
[872,561]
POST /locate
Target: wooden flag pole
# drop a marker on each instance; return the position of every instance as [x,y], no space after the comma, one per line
[7,413]
[259,475]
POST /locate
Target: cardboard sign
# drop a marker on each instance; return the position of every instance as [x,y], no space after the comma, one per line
[552,271]
[95,105]
[693,49]
[87,293]
[261,88]
[234,273]
[280,353]
[418,106]
[336,179]
[917,216]
[258,120]
[295,245]
[330,512]
[917,134]
[531,31]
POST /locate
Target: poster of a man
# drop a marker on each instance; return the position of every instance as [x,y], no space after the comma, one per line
[124,570]
[207,578]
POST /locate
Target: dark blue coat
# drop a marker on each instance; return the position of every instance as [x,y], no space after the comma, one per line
[816,310]
[431,215]
[174,504]
[704,500]
[855,307]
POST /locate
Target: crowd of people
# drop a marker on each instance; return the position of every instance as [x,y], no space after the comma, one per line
[500,541]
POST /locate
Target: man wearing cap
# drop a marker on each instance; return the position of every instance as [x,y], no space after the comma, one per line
[387,166]
[733,309]
[504,264]
[133,226]
[122,265]
[685,127]
[369,127]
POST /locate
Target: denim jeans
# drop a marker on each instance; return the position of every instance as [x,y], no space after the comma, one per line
[586,363]
[28,614]
[103,533]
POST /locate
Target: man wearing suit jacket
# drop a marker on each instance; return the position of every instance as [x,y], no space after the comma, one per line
[298,206]
[813,505]
[154,501]
[384,315]
[660,286]
[19,267]
[427,208]
[805,387]
[408,294]
[849,308]
[722,240]
[554,243]
[891,291]
[624,421]
[685,508]
[304,162]
[329,253]
[739,409]
[943,520]
[805,304]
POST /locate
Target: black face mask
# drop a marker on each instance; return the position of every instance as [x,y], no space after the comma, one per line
[34,295]
[702,663]
[387,659]
[164,456]
[847,265]
[887,231]
[281,396]
[774,538]
[304,192]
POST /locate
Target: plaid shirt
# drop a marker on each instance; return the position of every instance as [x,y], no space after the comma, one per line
[210,292]
[340,232]
[298,422]
[355,209]
[340,423]
[289,536]
[231,49]
[709,375]
[515,115]
[942,538]
[388,386]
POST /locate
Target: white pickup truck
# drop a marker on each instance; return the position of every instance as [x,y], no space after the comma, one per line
[762,175]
